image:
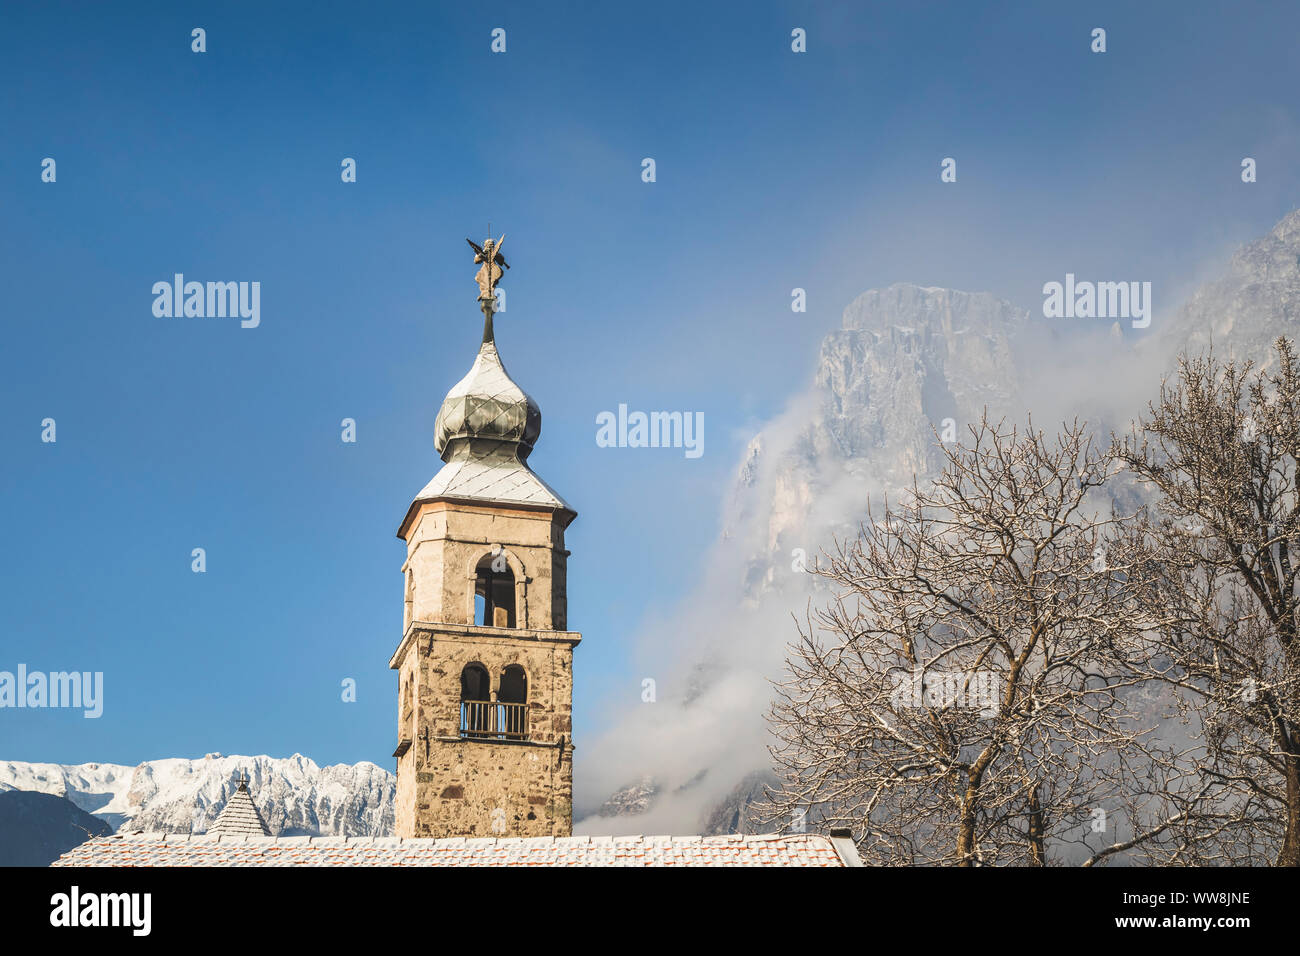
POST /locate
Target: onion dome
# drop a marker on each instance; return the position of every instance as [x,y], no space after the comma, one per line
[484,431]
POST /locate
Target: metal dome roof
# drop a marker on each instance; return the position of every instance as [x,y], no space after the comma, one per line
[487,405]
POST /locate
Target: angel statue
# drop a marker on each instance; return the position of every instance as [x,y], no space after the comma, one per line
[489,274]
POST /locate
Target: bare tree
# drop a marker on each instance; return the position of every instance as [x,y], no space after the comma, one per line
[967,696]
[1220,447]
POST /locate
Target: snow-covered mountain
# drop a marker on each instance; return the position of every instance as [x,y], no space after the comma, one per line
[294,795]
[1242,312]
[907,365]
[906,362]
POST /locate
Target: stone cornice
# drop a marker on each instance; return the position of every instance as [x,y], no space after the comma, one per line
[480,634]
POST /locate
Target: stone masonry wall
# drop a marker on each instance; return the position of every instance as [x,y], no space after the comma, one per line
[453,786]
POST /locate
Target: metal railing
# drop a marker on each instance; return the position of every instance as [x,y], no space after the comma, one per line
[486,719]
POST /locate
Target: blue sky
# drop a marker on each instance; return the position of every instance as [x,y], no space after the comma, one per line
[775,170]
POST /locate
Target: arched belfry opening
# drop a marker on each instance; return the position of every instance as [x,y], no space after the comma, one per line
[512,701]
[494,593]
[475,683]
[514,685]
[476,711]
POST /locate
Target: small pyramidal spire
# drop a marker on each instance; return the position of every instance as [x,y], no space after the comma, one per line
[240,814]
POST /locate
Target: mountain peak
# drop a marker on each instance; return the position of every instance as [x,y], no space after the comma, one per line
[1246,309]
[904,308]
[1288,227]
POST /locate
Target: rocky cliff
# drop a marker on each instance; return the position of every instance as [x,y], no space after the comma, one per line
[907,368]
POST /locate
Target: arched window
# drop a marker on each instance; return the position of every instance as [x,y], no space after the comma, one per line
[512,703]
[476,709]
[494,592]
[514,685]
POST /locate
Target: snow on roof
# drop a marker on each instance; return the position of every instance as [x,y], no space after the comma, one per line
[498,479]
[183,849]
[240,815]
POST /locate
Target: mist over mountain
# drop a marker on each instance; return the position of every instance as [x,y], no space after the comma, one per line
[1243,312]
[908,366]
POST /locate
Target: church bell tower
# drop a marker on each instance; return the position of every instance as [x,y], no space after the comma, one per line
[485,664]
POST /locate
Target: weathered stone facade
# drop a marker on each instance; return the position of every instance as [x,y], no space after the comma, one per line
[448,785]
[473,759]
[447,540]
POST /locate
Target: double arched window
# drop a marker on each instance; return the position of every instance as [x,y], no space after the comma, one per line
[499,716]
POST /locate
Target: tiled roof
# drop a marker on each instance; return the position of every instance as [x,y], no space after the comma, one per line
[183,849]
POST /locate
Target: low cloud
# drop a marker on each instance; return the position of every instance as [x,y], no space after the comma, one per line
[714,654]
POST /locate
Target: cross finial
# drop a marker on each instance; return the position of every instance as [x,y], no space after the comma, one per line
[243,781]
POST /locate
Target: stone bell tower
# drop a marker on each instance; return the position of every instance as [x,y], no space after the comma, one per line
[485,664]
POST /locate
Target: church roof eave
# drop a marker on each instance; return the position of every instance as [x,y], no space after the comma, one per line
[566,513]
